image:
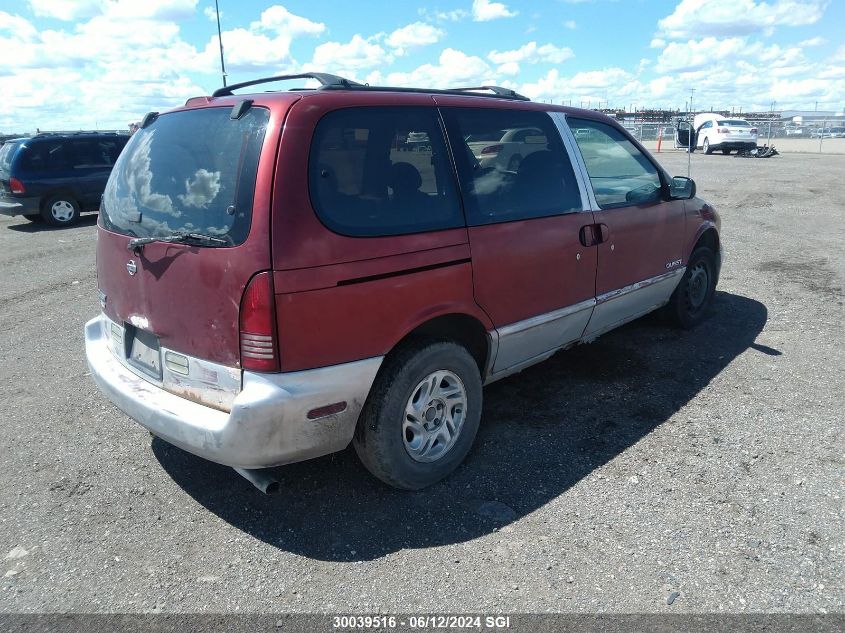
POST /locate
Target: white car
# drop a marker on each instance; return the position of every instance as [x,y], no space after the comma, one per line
[717,132]
[506,149]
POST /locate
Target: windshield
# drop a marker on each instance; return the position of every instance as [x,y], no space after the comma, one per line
[188,171]
[7,151]
[734,123]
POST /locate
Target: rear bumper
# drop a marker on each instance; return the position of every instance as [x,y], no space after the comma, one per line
[268,423]
[20,206]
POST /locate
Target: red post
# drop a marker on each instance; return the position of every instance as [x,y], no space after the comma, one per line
[659,139]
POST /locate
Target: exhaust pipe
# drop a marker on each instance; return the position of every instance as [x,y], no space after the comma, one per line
[259,478]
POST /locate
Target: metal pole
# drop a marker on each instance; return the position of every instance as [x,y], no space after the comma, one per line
[771,115]
[220,41]
[821,135]
[690,141]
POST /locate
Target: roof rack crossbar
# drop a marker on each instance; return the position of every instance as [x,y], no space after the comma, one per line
[325,80]
[507,93]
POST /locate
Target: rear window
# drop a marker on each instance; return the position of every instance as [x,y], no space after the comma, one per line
[734,123]
[382,171]
[187,171]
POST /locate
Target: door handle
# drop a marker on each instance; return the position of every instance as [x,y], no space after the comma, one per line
[593,234]
[604,232]
[587,235]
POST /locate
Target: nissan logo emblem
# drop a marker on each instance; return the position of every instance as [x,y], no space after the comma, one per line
[131,268]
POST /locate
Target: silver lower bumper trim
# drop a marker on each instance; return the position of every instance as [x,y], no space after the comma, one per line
[268,424]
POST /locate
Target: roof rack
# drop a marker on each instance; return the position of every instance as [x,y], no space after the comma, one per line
[325,79]
[334,82]
[497,91]
[78,133]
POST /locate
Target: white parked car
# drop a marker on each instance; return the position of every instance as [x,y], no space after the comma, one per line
[506,149]
[717,132]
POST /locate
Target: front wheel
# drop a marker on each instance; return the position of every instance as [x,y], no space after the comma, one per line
[706,146]
[689,303]
[422,414]
[60,210]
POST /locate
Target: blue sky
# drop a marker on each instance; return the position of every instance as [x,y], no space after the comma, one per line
[103,63]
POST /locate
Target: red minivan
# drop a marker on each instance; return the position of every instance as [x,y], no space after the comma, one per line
[283,273]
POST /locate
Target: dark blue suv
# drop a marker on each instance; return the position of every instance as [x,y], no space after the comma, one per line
[54,177]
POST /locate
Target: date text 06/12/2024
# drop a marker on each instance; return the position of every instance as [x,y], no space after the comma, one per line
[421,622]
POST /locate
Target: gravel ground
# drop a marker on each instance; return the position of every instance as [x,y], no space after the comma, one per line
[653,464]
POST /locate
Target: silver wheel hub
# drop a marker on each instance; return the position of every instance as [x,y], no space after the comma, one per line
[434,416]
[62,210]
[699,283]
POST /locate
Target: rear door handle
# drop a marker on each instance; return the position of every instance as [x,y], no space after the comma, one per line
[593,234]
[587,235]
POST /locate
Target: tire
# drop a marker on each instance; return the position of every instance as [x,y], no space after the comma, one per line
[403,433]
[514,162]
[61,210]
[706,146]
[691,300]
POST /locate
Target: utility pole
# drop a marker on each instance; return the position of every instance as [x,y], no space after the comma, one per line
[220,41]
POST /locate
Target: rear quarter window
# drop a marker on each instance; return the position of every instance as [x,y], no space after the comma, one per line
[377,171]
[7,153]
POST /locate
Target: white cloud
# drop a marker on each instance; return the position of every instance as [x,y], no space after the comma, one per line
[454,68]
[66,9]
[264,46]
[529,53]
[211,14]
[414,35]
[570,24]
[443,16]
[73,10]
[712,52]
[609,84]
[701,18]
[485,10]
[657,42]
[813,41]
[357,54]
[279,20]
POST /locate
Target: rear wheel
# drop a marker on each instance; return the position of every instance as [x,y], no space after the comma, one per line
[706,146]
[689,303]
[61,210]
[421,416]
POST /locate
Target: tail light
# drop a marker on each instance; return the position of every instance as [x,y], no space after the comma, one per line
[492,149]
[723,130]
[16,186]
[259,349]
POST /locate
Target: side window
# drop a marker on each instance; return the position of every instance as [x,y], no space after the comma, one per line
[512,165]
[46,156]
[84,153]
[382,171]
[620,173]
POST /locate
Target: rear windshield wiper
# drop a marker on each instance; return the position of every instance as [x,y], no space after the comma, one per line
[181,238]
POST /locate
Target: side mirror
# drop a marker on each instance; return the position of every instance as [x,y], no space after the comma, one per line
[682,188]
